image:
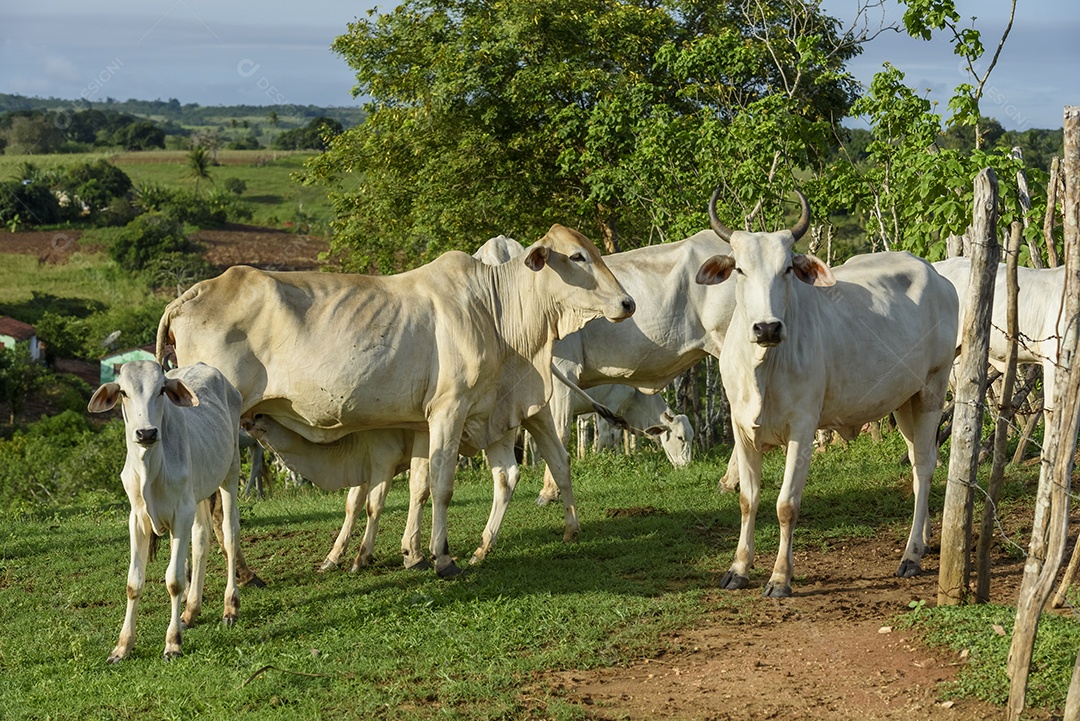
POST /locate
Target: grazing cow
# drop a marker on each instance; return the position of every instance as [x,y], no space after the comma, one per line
[646,413]
[456,347]
[1038,309]
[808,348]
[181,430]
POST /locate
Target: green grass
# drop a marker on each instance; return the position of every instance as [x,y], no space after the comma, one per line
[391,643]
[87,276]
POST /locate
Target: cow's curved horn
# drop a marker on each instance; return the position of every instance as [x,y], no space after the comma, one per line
[719,228]
[803,224]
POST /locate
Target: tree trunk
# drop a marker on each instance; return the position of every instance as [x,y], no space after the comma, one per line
[970,392]
[1050,527]
[609,235]
[1001,430]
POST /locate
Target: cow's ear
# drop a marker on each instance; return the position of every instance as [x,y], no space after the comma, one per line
[104,398]
[180,394]
[655,430]
[536,257]
[813,271]
[715,270]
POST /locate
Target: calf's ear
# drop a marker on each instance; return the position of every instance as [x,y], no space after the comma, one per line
[715,270]
[104,398]
[813,271]
[180,394]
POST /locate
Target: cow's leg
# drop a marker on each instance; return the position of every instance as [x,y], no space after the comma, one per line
[444,435]
[200,543]
[542,427]
[139,535]
[175,578]
[561,409]
[419,490]
[376,499]
[245,576]
[504,475]
[800,448]
[918,422]
[255,478]
[749,460]
[231,528]
[730,480]
[352,507]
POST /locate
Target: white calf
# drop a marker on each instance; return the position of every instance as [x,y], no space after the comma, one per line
[178,454]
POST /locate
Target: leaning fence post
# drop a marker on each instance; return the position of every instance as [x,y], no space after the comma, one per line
[1050,526]
[970,391]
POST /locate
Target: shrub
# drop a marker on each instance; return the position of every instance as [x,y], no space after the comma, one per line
[29,203]
[236,186]
[145,238]
[57,459]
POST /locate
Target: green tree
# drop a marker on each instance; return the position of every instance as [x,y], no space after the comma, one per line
[198,165]
[916,187]
[614,116]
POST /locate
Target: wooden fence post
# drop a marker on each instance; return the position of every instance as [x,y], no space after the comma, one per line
[1001,429]
[955,568]
[1050,527]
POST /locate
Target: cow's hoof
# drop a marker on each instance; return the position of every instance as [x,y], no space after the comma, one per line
[478,556]
[908,569]
[229,621]
[777,590]
[186,622]
[733,582]
[327,565]
[543,500]
[448,571]
[170,655]
[252,580]
[570,536]
[422,565]
[114,658]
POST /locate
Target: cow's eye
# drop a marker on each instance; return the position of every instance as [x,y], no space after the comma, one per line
[738,271]
[578,257]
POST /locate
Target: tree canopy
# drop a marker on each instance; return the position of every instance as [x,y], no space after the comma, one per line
[617,117]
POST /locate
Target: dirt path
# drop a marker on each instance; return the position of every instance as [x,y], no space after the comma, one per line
[829,653]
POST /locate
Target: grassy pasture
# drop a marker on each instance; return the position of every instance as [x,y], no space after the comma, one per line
[391,643]
[274,196]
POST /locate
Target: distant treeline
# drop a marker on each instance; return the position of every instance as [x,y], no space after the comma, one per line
[74,128]
[190,114]
[1038,145]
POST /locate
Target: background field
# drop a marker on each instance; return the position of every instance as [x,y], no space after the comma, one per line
[276,198]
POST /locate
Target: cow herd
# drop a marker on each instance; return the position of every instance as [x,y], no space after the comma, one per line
[352,379]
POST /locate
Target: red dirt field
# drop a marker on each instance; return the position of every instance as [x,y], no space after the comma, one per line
[830,653]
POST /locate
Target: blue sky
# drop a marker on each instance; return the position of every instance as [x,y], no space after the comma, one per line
[224,53]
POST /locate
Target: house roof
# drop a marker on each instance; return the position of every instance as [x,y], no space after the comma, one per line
[16,328]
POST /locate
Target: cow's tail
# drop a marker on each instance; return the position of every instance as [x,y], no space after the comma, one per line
[603,411]
[165,349]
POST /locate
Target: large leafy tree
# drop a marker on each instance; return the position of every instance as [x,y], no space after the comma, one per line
[617,117]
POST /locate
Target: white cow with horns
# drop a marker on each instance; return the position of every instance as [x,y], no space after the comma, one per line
[181,430]
[808,348]
[457,348]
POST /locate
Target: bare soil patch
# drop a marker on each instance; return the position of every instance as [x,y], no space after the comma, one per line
[831,652]
[233,244]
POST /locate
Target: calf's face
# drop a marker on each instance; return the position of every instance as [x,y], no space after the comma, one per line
[142,390]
